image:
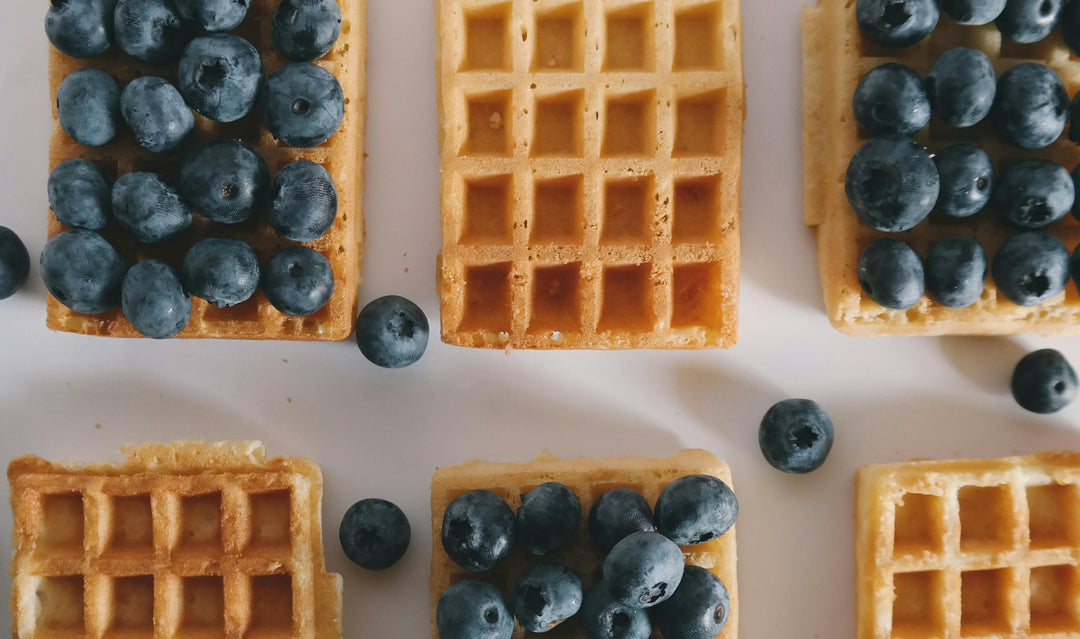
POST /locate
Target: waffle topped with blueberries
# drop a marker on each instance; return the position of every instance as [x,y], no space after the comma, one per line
[937,159]
[206,168]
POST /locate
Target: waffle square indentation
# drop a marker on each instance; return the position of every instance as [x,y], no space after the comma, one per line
[487,37]
[132,525]
[698,124]
[488,210]
[558,206]
[696,215]
[560,125]
[272,605]
[1052,515]
[133,605]
[556,305]
[987,519]
[61,603]
[487,297]
[62,524]
[1053,602]
[697,38]
[696,296]
[920,525]
[200,527]
[918,607]
[271,518]
[630,39]
[628,211]
[203,604]
[630,124]
[490,124]
[560,39]
[627,299]
[985,602]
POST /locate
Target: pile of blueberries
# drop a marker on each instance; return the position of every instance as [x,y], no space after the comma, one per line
[893,183]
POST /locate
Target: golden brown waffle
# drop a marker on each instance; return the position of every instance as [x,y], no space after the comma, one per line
[342,155]
[969,548]
[591,157]
[181,540]
[589,479]
[835,58]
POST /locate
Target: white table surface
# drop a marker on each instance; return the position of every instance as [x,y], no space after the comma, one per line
[380,433]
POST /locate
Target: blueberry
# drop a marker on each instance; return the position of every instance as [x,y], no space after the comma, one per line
[956,272]
[961,86]
[83,271]
[220,76]
[1044,382]
[796,436]
[157,114]
[79,195]
[80,28]
[891,99]
[154,301]
[478,530]
[222,272]
[1070,26]
[302,105]
[604,618]
[896,24]
[392,332]
[305,30]
[973,12]
[473,609]
[892,184]
[618,513]
[1031,106]
[548,518]
[891,274]
[1031,268]
[150,30]
[225,181]
[298,281]
[967,180]
[1034,194]
[1028,21]
[695,509]
[14,263]
[303,201]
[546,596]
[213,15]
[374,534]
[88,106]
[148,208]
[643,570]
[699,609]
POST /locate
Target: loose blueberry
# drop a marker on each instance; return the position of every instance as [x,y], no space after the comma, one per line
[302,105]
[1031,106]
[83,271]
[1070,26]
[643,570]
[548,518]
[225,181]
[150,30]
[1034,194]
[973,12]
[1028,21]
[892,184]
[80,28]
[956,272]
[796,436]
[695,509]
[473,609]
[305,30]
[967,180]
[961,86]
[1044,382]
[1031,268]
[891,274]
[148,208]
[392,332]
[303,201]
[88,105]
[604,618]
[154,301]
[896,24]
[222,272]
[157,114]
[298,281]
[213,15]
[891,99]
[220,76]
[374,534]
[478,530]
[14,263]
[546,596]
[699,609]
[618,513]
[79,195]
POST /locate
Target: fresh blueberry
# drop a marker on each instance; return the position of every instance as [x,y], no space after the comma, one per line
[891,99]
[546,596]
[213,15]
[967,180]
[148,208]
[1044,382]
[643,570]
[303,201]
[305,30]
[956,272]
[1070,26]
[14,263]
[1031,106]
[961,86]
[699,609]
[374,534]
[83,271]
[1028,21]
[896,24]
[973,12]
[796,436]
[302,105]
[225,181]
[298,281]
[222,272]
[892,184]
[548,518]
[157,114]
[478,530]
[1034,194]
[150,30]
[891,274]
[79,195]
[473,609]
[80,28]
[1031,268]
[220,76]
[618,513]
[392,332]
[88,104]
[604,618]
[695,509]
[154,301]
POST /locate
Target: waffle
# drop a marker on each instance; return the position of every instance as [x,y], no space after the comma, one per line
[181,540]
[591,158]
[835,58]
[969,548]
[342,155]
[589,479]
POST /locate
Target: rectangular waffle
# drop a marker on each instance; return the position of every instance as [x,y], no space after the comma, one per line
[835,58]
[591,160]
[342,156]
[181,540]
[588,478]
[969,548]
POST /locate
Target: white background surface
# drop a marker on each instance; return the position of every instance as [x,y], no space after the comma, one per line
[380,433]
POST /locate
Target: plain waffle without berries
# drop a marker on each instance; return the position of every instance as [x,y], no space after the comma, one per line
[342,156]
[181,540]
[835,58]
[969,548]
[591,158]
[589,479]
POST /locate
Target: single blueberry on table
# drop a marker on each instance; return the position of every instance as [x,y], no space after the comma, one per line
[545,596]
[892,274]
[150,30]
[148,208]
[298,281]
[79,196]
[1034,194]
[473,609]
[896,24]
[157,114]
[961,86]
[1070,26]
[220,75]
[374,534]
[305,30]
[973,12]
[967,180]
[154,301]
[604,618]
[796,436]
[222,272]
[14,263]
[643,570]
[392,332]
[1044,382]
[892,184]
[616,514]
[891,99]
[303,201]
[1027,21]
[699,609]
[302,105]
[956,272]
[80,28]
[83,271]
[225,181]
[478,530]
[695,509]
[88,106]
[1031,106]
[213,15]
[547,519]
[1031,268]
